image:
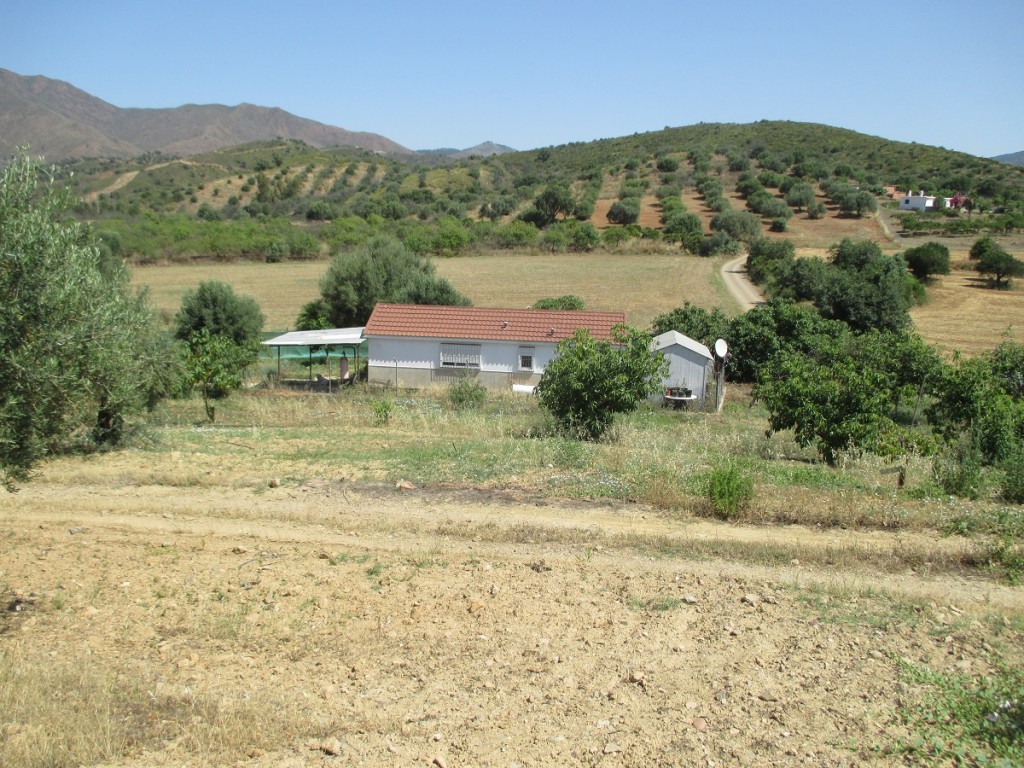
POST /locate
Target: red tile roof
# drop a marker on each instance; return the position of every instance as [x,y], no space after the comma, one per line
[485,323]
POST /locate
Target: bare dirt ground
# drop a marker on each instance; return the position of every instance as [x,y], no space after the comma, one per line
[458,628]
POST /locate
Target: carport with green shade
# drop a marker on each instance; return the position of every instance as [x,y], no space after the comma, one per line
[342,344]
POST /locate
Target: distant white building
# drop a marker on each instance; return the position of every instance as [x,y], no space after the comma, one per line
[921,202]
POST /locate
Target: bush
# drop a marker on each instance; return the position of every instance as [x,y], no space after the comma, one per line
[719,243]
[958,469]
[568,301]
[739,225]
[467,394]
[767,257]
[382,409]
[678,224]
[625,211]
[1013,480]
[217,309]
[516,234]
[591,380]
[614,236]
[730,491]
[927,260]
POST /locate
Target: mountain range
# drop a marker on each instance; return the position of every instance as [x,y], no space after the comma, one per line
[1014,158]
[59,121]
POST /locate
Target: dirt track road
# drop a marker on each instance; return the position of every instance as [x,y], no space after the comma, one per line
[747,294]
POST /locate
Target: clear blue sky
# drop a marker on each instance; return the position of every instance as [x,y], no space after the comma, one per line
[531,74]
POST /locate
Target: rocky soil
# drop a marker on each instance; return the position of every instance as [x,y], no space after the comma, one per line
[349,625]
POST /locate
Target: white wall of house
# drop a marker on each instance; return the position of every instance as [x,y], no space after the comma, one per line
[916,202]
[417,362]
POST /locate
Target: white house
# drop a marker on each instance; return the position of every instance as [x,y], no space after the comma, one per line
[691,364]
[413,345]
[921,202]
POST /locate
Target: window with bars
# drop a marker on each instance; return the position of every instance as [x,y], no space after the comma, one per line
[460,355]
[526,358]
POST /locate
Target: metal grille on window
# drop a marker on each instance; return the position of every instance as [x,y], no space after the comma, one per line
[526,358]
[460,355]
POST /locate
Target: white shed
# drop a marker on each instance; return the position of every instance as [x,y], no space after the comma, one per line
[691,364]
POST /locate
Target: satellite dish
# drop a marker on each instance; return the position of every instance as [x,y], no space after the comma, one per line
[721,348]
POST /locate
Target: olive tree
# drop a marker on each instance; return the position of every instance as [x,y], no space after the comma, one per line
[591,380]
[739,225]
[77,347]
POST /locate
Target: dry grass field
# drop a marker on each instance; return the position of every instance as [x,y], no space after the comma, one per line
[645,285]
[961,313]
[280,289]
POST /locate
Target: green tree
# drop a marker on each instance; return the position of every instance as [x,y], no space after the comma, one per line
[625,211]
[739,225]
[696,322]
[982,246]
[583,236]
[766,258]
[833,404]
[927,260]
[978,398]
[1000,266]
[759,335]
[313,316]
[591,380]
[868,290]
[800,195]
[381,270]
[681,224]
[214,365]
[668,165]
[516,234]
[76,346]
[216,308]
[555,200]
[222,332]
[555,239]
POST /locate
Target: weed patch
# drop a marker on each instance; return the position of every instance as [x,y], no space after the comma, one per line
[964,720]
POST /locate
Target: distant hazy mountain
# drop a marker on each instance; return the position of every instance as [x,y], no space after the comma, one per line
[60,121]
[1014,158]
[486,149]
